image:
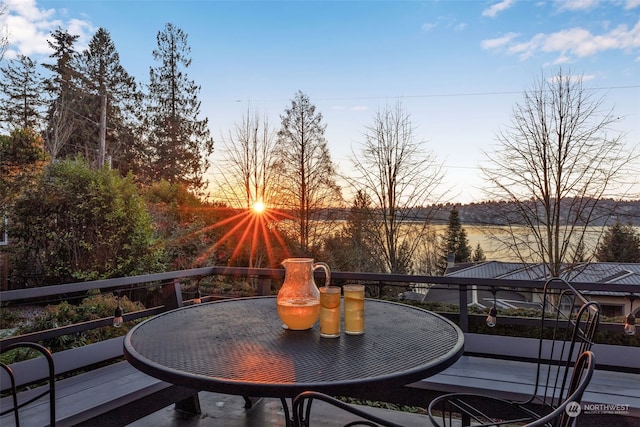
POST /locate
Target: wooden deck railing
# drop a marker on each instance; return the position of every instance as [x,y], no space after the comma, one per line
[176,289]
[264,278]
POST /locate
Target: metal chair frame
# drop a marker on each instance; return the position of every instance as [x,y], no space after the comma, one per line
[14,387]
[568,325]
[302,411]
[560,416]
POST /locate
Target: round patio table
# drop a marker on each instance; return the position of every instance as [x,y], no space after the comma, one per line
[238,346]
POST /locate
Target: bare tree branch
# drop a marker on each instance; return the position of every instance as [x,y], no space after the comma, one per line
[554,164]
[245,176]
[402,178]
[4,33]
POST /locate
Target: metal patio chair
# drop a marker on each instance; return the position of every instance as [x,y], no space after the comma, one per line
[11,387]
[563,414]
[567,328]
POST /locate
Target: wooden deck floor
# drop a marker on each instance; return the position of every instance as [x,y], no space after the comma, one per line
[221,410]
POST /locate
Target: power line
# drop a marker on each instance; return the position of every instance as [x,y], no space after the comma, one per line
[433,95]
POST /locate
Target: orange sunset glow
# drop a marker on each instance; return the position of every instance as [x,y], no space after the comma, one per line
[258,207]
[252,230]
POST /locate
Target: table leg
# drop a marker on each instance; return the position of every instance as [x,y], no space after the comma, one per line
[190,405]
[248,402]
[287,416]
[303,416]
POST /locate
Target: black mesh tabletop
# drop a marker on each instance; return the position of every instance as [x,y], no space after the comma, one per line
[238,346]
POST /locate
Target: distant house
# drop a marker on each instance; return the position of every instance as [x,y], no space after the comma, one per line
[611,303]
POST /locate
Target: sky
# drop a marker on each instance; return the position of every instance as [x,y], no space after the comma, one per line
[457,67]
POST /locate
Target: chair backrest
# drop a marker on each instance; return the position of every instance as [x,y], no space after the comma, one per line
[10,383]
[566,412]
[567,329]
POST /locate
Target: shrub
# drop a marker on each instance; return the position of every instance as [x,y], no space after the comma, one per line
[91,308]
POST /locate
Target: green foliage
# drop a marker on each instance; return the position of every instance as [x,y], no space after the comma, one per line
[352,247]
[21,90]
[78,224]
[101,77]
[21,158]
[478,254]
[8,319]
[454,241]
[179,142]
[620,243]
[91,308]
[175,195]
[184,225]
[235,288]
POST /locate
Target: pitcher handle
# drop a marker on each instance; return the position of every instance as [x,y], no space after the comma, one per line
[326,269]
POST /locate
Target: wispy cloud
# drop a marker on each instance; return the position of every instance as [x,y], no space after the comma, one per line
[444,22]
[29,26]
[632,4]
[569,44]
[354,108]
[576,4]
[499,42]
[497,8]
[428,26]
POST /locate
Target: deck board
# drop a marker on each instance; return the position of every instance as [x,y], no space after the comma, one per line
[515,379]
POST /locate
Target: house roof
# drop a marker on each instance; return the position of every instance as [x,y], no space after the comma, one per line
[593,272]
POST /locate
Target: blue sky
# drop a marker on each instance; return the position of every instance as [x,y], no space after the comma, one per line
[458,66]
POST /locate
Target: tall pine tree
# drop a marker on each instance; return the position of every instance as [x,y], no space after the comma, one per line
[61,89]
[111,98]
[454,241]
[22,99]
[363,255]
[179,142]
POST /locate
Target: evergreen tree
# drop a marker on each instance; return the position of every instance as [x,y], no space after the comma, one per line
[620,243]
[63,52]
[108,90]
[308,186]
[61,89]
[22,99]
[179,142]
[454,241]
[478,254]
[360,224]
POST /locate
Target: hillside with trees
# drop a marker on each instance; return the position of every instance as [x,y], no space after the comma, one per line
[608,212]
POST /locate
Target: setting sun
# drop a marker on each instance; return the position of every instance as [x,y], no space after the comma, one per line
[258,207]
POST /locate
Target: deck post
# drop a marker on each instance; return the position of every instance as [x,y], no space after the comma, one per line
[464,315]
